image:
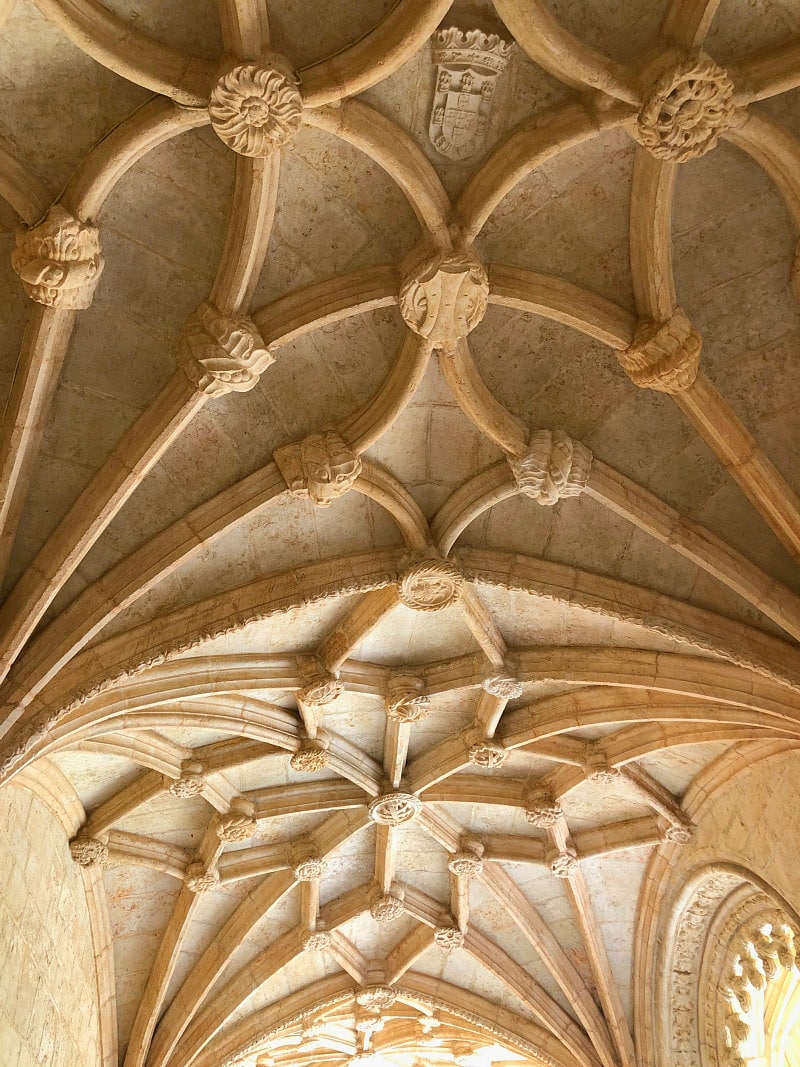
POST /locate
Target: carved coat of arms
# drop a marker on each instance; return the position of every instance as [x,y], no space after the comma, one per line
[467,66]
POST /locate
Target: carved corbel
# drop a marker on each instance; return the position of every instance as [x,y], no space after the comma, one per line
[59,261]
[444,297]
[554,467]
[222,353]
[664,356]
[320,467]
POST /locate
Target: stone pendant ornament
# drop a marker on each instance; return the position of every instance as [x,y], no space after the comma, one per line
[320,467]
[467,66]
[256,108]
[444,297]
[554,467]
[222,353]
[59,261]
[664,356]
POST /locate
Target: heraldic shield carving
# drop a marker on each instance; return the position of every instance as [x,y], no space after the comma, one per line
[468,63]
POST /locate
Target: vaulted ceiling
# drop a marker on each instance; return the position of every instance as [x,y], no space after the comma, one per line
[399,496]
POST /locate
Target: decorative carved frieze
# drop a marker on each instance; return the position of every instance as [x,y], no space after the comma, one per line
[448,938]
[320,467]
[310,756]
[686,111]
[393,809]
[488,754]
[191,781]
[199,878]
[444,297]
[59,261]
[308,869]
[320,687]
[222,353]
[555,466]
[88,851]
[542,809]
[563,864]
[468,861]
[406,700]
[239,823]
[24,740]
[430,585]
[257,107]
[503,686]
[467,66]
[317,941]
[664,356]
[385,907]
[376,997]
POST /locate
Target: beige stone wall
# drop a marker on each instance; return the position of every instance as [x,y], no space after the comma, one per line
[48,990]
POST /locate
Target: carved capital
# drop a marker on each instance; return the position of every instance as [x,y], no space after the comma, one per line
[385,907]
[488,754]
[393,809]
[430,585]
[310,756]
[222,353]
[257,107]
[239,823]
[686,110]
[664,356]
[562,864]
[88,851]
[444,297]
[448,938]
[201,879]
[320,467]
[405,698]
[555,466]
[59,261]
[376,997]
[317,941]
[191,781]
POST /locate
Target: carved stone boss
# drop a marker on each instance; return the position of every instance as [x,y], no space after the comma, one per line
[467,66]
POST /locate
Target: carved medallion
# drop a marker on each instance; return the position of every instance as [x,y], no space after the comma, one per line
[321,467]
[555,466]
[236,825]
[385,907]
[488,754]
[448,938]
[310,756]
[59,261]
[664,356]
[88,851]
[405,698]
[687,110]
[222,353]
[308,870]
[256,107]
[376,997]
[444,297]
[201,879]
[467,66]
[191,781]
[562,864]
[468,862]
[431,585]
[542,810]
[598,770]
[317,941]
[678,835]
[393,809]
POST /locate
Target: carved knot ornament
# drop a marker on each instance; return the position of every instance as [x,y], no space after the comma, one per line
[386,907]
[555,466]
[321,467]
[542,810]
[562,864]
[317,941]
[88,851]
[664,356]
[467,66]
[393,809]
[502,686]
[238,824]
[59,261]
[376,997]
[310,756]
[430,585]
[405,698]
[222,353]
[687,110]
[201,879]
[448,938]
[468,862]
[488,754]
[445,297]
[308,870]
[256,107]
[191,781]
